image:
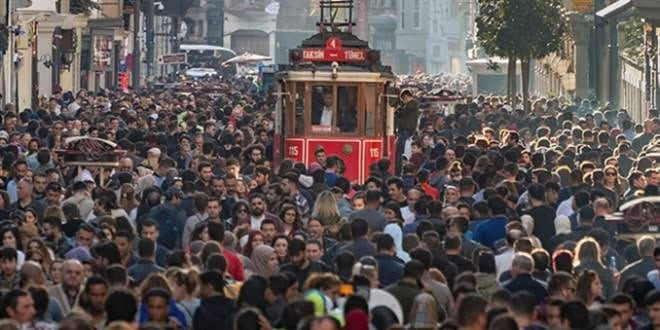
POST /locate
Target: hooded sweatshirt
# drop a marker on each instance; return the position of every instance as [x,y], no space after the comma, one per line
[486,284]
[215,313]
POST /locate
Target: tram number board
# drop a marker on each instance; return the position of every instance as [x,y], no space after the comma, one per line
[334,55]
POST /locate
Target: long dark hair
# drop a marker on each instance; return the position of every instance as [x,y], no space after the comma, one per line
[253,292]
[234,213]
[14,230]
[297,224]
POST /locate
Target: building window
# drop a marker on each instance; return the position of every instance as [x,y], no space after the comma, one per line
[435,25]
[417,13]
[436,51]
[200,28]
[403,15]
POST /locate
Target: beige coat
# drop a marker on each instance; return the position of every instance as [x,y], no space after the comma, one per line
[57,292]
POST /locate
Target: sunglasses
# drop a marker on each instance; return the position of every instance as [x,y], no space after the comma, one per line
[611,174]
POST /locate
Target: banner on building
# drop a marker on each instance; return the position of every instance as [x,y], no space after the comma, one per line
[102,52]
[583,6]
[175,58]
[123,80]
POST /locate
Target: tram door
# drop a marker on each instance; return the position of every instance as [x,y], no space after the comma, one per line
[344,119]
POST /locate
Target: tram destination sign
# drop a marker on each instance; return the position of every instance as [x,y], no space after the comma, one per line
[334,52]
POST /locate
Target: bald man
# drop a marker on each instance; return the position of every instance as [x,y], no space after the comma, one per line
[66,293]
[126,164]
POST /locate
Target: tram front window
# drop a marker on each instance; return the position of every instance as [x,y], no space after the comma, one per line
[334,110]
[322,106]
[347,104]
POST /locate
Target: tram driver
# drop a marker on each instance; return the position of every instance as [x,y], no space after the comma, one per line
[322,106]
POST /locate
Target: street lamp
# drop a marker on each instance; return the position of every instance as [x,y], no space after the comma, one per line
[67,59]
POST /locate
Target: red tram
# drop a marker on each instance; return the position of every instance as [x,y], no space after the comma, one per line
[335,96]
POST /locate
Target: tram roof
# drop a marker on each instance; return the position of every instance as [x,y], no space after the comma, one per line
[356,76]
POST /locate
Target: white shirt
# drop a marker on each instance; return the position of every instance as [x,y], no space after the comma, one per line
[503,261]
[566,207]
[326,117]
[255,223]
[408,216]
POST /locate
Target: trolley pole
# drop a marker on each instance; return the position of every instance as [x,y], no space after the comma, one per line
[149,20]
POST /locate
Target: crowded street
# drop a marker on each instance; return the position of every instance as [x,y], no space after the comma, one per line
[333,191]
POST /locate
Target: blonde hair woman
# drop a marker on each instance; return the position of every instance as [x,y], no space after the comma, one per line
[588,256]
[326,210]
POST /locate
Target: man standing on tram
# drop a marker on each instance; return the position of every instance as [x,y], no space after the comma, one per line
[406,121]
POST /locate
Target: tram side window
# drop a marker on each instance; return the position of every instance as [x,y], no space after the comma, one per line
[300,108]
[322,106]
[347,108]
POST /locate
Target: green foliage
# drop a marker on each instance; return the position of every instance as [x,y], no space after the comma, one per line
[523,29]
[632,43]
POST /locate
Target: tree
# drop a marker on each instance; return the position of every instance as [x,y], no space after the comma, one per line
[632,42]
[491,29]
[520,30]
[547,18]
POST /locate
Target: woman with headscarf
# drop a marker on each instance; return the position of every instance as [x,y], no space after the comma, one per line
[424,313]
[394,230]
[562,232]
[264,260]
[357,319]
[528,224]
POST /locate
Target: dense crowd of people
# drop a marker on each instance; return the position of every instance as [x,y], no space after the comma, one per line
[498,218]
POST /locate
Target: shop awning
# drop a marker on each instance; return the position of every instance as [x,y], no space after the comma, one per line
[614,9]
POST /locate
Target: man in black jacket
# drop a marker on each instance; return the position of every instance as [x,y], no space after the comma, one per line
[648,251]
[453,250]
[407,117]
[521,269]
[543,215]
[360,246]
[390,267]
[215,311]
[147,262]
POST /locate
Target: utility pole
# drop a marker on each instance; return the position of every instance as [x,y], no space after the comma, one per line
[137,57]
[150,37]
[8,60]
[176,24]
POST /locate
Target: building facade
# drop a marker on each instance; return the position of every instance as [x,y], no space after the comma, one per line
[432,35]
[47,51]
[249,28]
